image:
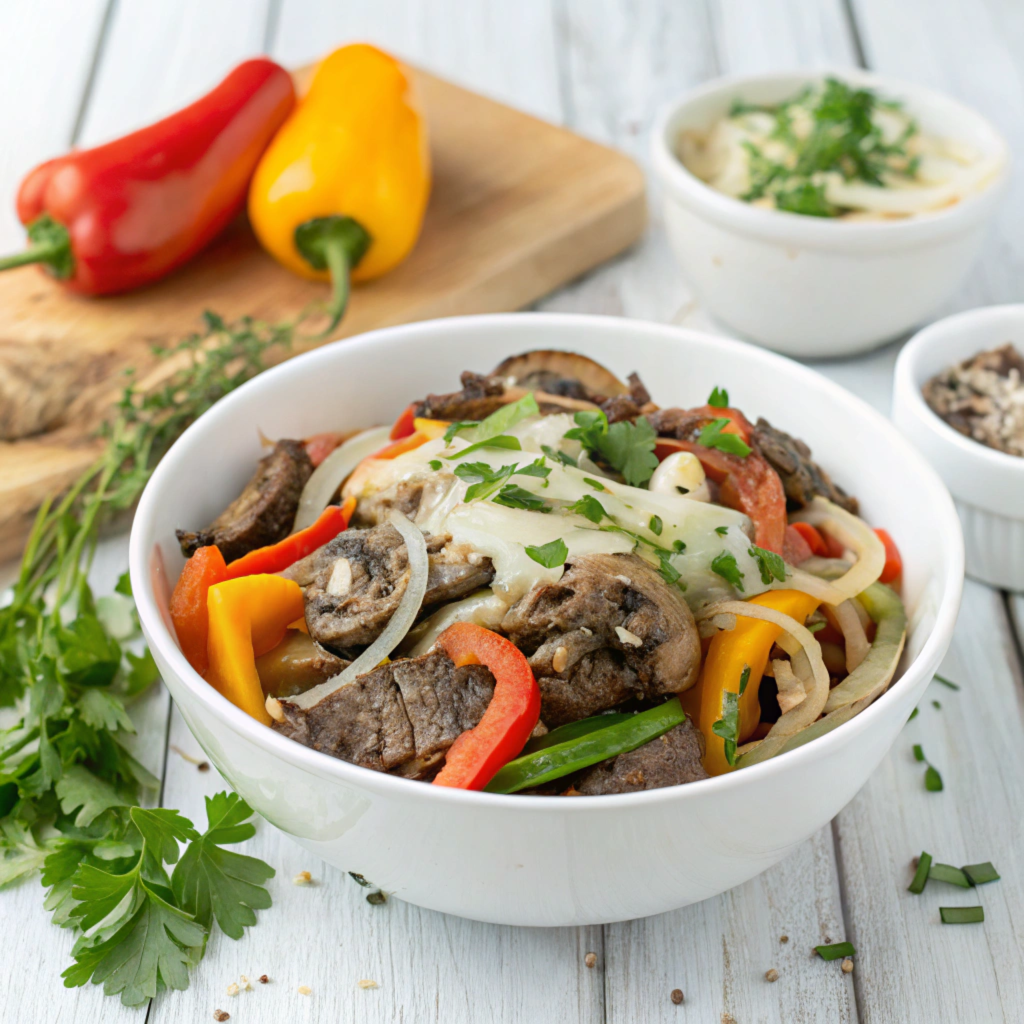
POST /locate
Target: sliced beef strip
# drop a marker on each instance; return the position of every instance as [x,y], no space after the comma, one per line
[802,478]
[572,625]
[682,424]
[353,584]
[400,717]
[264,512]
[479,397]
[670,760]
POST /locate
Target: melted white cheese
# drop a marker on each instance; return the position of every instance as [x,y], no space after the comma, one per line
[503,534]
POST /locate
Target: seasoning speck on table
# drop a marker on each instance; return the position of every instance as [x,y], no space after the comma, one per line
[232,989]
[676,996]
[221,1015]
[305,990]
[302,878]
[366,983]
[590,959]
[847,966]
[263,979]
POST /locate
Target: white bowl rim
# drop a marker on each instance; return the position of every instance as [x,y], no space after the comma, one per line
[822,231]
[907,389]
[320,764]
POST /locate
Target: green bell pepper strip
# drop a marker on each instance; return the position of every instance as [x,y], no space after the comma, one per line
[574,730]
[553,762]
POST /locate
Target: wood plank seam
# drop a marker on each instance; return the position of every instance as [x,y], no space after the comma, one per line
[94,67]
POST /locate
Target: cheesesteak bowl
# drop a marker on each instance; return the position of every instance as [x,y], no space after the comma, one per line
[544,619]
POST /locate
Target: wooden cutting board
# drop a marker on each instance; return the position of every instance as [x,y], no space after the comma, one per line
[518,208]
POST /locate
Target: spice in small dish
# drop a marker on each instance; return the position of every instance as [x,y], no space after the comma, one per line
[983,398]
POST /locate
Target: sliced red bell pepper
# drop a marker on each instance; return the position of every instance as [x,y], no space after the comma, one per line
[203,570]
[513,713]
[319,446]
[795,548]
[893,562]
[276,557]
[747,483]
[813,539]
[404,425]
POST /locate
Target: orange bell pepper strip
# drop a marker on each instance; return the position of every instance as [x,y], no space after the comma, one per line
[188,603]
[404,425]
[730,654]
[814,539]
[893,560]
[247,618]
[475,757]
[277,557]
[424,431]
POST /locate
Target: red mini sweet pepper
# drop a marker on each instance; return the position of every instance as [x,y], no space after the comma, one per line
[126,213]
[513,713]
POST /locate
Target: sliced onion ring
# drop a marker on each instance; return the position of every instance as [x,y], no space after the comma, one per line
[852,532]
[857,645]
[331,474]
[397,627]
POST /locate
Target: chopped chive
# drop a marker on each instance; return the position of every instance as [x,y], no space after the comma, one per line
[979,874]
[924,864]
[913,715]
[936,705]
[946,682]
[815,626]
[918,752]
[836,951]
[721,530]
[962,915]
[656,525]
[596,484]
[932,780]
[950,874]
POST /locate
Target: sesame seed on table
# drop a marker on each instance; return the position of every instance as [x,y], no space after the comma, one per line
[322,952]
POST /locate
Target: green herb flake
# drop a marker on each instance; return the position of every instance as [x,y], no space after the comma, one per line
[962,915]
[559,456]
[501,441]
[678,546]
[435,464]
[719,398]
[918,752]
[728,726]
[836,951]
[721,530]
[712,436]
[945,681]
[913,714]
[932,779]
[744,679]
[814,627]
[590,508]
[596,484]
[535,468]
[502,420]
[924,863]
[980,874]
[457,427]
[948,873]
[770,565]
[726,567]
[550,555]
[655,525]
[936,705]
[627,447]
[514,496]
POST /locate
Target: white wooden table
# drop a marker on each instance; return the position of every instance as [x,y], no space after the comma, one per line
[84,70]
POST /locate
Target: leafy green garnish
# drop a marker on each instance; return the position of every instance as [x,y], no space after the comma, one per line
[721,530]
[726,567]
[962,915]
[550,555]
[949,874]
[980,874]
[770,565]
[719,398]
[558,455]
[500,441]
[514,496]
[656,525]
[596,484]
[711,436]
[627,447]
[435,464]
[945,681]
[924,863]
[744,679]
[535,468]
[728,726]
[590,508]
[806,199]
[502,420]
[457,427]
[488,480]
[932,778]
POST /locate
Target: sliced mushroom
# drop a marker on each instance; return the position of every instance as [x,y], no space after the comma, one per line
[560,373]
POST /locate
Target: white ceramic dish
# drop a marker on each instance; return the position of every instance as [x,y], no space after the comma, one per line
[987,485]
[810,286]
[536,860]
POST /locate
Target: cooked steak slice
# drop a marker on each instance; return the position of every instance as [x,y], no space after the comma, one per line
[682,424]
[669,760]
[353,584]
[402,716]
[802,478]
[264,512]
[479,397]
[615,604]
[637,390]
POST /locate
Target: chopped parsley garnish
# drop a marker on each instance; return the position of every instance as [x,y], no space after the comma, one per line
[456,427]
[726,567]
[712,436]
[550,555]
[535,468]
[488,479]
[514,496]
[980,874]
[435,464]
[770,565]
[950,874]
[501,441]
[728,726]
[656,525]
[744,678]
[924,864]
[913,714]
[721,530]
[504,419]
[936,705]
[668,572]
[932,778]
[627,447]
[589,507]
[678,546]
[837,951]
[719,398]
[945,681]
[558,455]
[596,484]
[962,915]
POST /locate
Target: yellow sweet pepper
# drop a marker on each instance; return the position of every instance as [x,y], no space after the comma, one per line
[341,191]
[730,653]
[248,617]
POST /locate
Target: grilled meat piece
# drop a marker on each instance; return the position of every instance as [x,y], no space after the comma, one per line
[400,717]
[802,478]
[669,760]
[264,512]
[682,424]
[610,629]
[353,584]
[479,397]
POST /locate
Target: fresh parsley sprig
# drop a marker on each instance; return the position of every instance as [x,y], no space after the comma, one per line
[627,447]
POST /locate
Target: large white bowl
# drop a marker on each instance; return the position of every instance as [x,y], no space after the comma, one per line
[811,286]
[987,485]
[541,860]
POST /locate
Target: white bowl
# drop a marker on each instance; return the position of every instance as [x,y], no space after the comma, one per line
[810,286]
[543,860]
[987,485]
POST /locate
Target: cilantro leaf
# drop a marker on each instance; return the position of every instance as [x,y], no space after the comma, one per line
[550,555]
[558,455]
[488,479]
[630,449]
[726,567]
[719,398]
[535,468]
[711,436]
[590,508]
[721,530]
[103,710]
[124,584]
[728,726]
[770,565]
[514,496]
[435,464]
[210,882]
[142,673]
[89,655]
[20,854]
[596,484]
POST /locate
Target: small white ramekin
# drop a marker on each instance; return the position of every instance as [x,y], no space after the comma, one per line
[811,286]
[987,485]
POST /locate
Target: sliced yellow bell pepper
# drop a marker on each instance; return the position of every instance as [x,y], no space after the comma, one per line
[730,653]
[248,617]
[341,191]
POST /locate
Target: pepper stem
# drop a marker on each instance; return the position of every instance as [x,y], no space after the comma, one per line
[336,244]
[50,245]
